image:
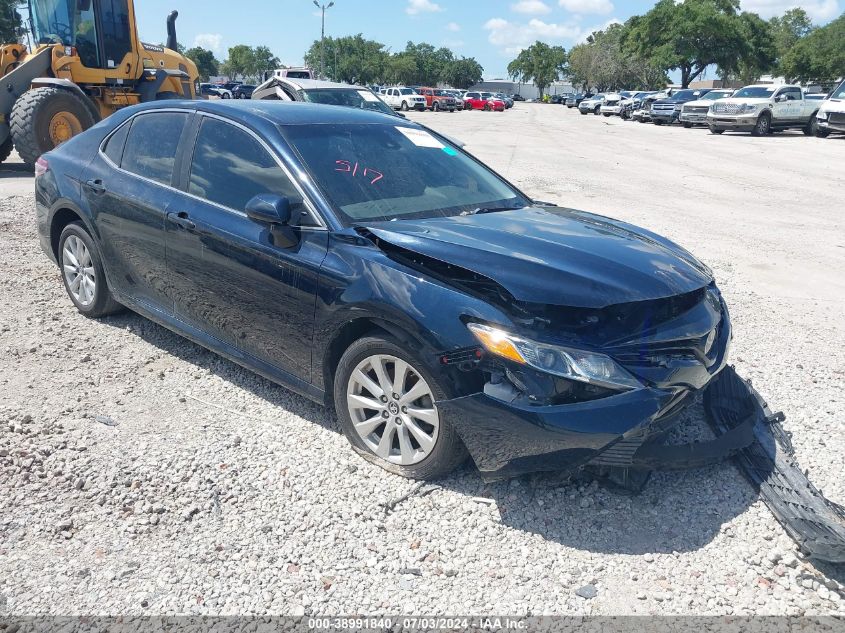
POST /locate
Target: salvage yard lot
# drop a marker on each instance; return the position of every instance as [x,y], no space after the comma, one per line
[142,474]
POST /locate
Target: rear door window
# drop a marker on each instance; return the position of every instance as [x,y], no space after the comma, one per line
[151,146]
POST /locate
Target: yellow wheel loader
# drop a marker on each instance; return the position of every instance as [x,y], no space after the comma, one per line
[88,62]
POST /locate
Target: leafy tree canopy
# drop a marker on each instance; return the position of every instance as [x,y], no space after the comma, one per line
[206,62]
[540,63]
[820,56]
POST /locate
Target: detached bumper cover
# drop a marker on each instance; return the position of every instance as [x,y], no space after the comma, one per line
[816,524]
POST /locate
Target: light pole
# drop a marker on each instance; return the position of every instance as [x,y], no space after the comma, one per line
[323,34]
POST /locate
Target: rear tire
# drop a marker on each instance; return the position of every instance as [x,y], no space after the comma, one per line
[430,462]
[43,118]
[82,272]
[597,111]
[583,112]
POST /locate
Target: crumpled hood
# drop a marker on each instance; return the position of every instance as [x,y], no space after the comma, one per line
[555,256]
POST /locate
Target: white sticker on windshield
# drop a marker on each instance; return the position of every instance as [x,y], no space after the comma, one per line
[366,95]
[420,138]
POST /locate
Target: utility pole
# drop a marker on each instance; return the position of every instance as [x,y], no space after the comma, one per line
[323,34]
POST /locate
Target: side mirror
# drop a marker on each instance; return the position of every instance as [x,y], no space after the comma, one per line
[268,208]
[274,211]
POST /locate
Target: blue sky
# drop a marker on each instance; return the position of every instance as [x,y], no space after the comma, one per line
[492,31]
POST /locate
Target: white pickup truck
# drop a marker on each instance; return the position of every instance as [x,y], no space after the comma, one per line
[831,114]
[763,109]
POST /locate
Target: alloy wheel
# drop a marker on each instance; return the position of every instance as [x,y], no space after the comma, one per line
[392,409]
[78,270]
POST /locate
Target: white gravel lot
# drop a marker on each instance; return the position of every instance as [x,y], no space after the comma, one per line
[141,474]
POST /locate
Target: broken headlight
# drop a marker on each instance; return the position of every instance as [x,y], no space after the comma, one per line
[573,364]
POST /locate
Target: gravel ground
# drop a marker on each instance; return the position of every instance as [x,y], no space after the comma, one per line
[141,474]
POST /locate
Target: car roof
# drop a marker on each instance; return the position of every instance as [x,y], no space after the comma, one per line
[313,84]
[275,111]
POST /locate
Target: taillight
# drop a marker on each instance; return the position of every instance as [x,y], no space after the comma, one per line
[41,167]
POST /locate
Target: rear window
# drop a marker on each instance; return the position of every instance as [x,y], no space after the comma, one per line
[151,146]
[114,146]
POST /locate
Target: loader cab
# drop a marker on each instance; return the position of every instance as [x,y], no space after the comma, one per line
[101,31]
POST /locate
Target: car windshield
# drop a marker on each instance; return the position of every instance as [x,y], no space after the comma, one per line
[686,94]
[755,92]
[442,93]
[349,97]
[376,172]
[717,94]
[407,91]
[839,93]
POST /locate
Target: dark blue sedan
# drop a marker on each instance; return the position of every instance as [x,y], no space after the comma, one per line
[370,264]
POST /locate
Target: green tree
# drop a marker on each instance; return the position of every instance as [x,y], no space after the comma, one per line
[787,31]
[430,61]
[401,69]
[351,59]
[263,60]
[240,62]
[462,73]
[10,21]
[820,56]
[689,36]
[760,54]
[540,63]
[206,62]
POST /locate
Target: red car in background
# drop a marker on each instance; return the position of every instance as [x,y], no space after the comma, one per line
[483,101]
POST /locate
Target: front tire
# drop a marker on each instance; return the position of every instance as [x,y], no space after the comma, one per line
[597,111]
[43,118]
[688,125]
[820,133]
[82,273]
[6,148]
[436,107]
[763,125]
[812,126]
[384,398]
[404,106]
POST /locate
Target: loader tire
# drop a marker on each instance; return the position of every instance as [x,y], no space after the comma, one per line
[43,118]
[6,148]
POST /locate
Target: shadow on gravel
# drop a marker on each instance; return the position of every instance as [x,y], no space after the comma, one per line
[677,511]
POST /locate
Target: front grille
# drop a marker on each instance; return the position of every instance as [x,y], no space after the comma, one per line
[727,108]
[663,107]
[696,109]
[837,118]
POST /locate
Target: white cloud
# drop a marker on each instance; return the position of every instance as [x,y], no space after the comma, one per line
[601,7]
[585,33]
[210,41]
[818,10]
[415,7]
[512,37]
[453,44]
[531,7]
[453,26]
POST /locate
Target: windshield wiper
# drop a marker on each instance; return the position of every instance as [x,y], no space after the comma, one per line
[480,210]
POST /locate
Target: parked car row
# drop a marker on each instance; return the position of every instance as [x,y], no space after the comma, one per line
[760,109]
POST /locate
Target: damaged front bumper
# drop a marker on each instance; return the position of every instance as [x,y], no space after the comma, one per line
[511,437]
